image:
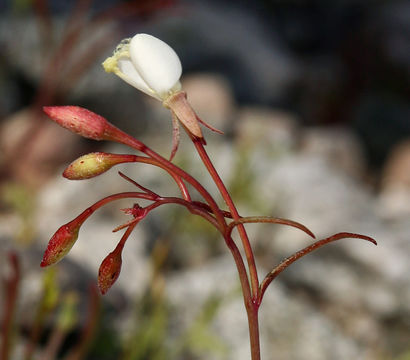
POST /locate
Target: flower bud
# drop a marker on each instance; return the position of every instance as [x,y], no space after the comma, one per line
[94,164]
[78,120]
[63,239]
[147,63]
[109,270]
[61,242]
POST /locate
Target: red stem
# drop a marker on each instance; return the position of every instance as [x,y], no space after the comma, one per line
[11,290]
[250,296]
[177,178]
[235,215]
[308,249]
[270,220]
[117,135]
[114,134]
[195,209]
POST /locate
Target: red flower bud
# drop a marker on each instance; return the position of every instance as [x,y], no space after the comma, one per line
[78,120]
[109,270]
[61,243]
[94,164]
[63,239]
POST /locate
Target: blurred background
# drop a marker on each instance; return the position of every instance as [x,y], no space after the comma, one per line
[313,97]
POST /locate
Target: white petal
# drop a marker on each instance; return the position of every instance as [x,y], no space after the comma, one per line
[156,62]
[131,76]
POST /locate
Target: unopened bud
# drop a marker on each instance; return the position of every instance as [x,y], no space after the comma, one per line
[78,120]
[63,240]
[60,244]
[94,164]
[109,270]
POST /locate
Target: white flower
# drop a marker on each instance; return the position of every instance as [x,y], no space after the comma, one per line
[153,67]
[148,64]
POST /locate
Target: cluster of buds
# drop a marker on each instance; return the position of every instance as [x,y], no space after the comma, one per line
[154,68]
[91,125]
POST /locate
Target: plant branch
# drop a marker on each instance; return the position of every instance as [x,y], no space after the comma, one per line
[148,191]
[268,219]
[254,282]
[308,249]
[194,209]
[117,135]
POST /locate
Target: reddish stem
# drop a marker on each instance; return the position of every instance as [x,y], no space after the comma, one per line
[228,200]
[177,178]
[143,188]
[115,134]
[271,220]
[308,249]
[250,293]
[11,290]
[112,133]
[194,209]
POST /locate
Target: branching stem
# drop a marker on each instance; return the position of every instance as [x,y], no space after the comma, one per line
[307,250]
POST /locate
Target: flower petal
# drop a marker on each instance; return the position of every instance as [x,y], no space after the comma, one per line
[156,62]
[128,73]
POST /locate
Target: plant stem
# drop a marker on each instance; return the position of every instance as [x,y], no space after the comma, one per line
[235,215]
[253,322]
[178,180]
[195,209]
[250,295]
[115,134]
[250,298]
[307,250]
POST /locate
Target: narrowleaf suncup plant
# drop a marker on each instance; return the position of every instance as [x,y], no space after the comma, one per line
[153,67]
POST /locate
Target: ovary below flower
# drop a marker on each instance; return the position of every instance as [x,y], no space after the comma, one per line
[147,63]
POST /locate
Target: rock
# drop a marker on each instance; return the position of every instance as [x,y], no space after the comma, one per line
[394,197]
[255,62]
[211,97]
[267,129]
[290,328]
[32,147]
[337,145]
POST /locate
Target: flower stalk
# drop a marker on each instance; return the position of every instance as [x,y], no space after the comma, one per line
[153,67]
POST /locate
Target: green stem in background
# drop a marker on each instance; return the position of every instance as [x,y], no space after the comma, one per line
[90,327]
[48,302]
